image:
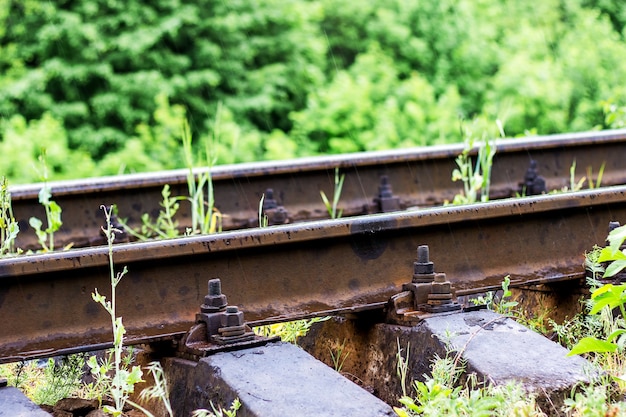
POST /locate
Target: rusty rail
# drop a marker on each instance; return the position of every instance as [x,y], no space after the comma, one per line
[296,270]
[419,177]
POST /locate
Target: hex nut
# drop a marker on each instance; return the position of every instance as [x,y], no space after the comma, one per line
[423,268]
[213,303]
[232,317]
[440,288]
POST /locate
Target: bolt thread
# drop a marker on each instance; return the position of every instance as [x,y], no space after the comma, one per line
[423,254]
[440,277]
[215,287]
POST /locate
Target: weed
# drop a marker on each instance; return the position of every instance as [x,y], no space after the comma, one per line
[288,331]
[476,180]
[123,379]
[598,182]
[332,207]
[440,395]
[338,358]
[9,228]
[46,382]
[501,304]
[164,227]
[263,220]
[578,185]
[402,366]
[159,389]
[53,211]
[204,216]
[593,400]
[231,412]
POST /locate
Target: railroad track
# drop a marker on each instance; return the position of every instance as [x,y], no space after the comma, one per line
[301,269]
[418,178]
[296,270]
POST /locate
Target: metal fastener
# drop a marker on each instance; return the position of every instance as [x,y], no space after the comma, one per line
[385,200]
[214,301]
[423,269]
[232,317]
[533,184]
[440,285]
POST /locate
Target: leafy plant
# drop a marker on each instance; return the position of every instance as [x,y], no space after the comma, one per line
[288,331]
[500,305]
[332,207]
[164,227]
[219,412]
[9,228]
[53,212]
[592,400]
[46,382]
[123,379]
[608,348]
[476,179]
[441,395]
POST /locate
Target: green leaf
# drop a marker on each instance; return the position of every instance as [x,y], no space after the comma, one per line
[616,238]
[615,334]
[607,295]
[591,344]
[607,255]
[400,412]
[615,267]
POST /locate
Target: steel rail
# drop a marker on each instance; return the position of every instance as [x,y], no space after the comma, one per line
[296,270]
[419,177]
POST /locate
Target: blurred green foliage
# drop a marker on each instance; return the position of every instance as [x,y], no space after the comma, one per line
[104,85]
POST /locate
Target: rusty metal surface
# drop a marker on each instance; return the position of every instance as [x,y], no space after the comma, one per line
[291,271]
[419,177]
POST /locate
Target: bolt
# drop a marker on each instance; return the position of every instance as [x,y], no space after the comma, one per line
[215,287]
[385,200]
[613,225]
[214,301]
[384,189]
[268,201]
[423,264]
[423,254]
[533,183]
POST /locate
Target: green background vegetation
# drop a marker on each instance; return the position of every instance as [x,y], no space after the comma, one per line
[104,85]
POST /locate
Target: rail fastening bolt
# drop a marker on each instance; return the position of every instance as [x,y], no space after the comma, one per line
[214,300]
[613,225]
[215,287]
[423,264]
[422,254]
[384,189]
